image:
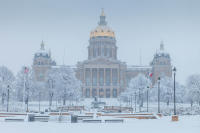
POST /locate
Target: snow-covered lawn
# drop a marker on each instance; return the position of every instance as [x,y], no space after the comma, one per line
[187,124]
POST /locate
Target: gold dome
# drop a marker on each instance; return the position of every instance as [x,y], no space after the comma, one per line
[102,29]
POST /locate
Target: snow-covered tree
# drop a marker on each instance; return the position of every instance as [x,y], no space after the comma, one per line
[193,88]
[167,91]
[25,85]
[63,84]
[6,81]
[137,85]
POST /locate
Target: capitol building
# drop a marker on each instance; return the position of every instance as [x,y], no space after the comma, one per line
[102,74]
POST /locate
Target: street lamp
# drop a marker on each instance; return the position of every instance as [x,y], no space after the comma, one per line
[64,97]
[174,117]
[3,98]
[27,96]
[174,70]
[158,94]
[39,100]
[135,100]
[51,98]
[50,93]
[140,102]
[8,96]
[131,103]
[147,98]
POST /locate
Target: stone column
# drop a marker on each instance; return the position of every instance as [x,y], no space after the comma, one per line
[84,77]
[97,82]
[84,84]
[113,53]
[104,93]
[111,84]
[90,82]
[119,86]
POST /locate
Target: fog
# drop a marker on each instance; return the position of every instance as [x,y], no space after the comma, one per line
[64,25]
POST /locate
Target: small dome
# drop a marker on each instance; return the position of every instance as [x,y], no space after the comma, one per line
[161,52]
[42,52]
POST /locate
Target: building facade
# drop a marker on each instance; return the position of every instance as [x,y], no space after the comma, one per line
[161,64]
[102,74]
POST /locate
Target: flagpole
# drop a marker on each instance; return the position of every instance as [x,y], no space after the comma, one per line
[23,101]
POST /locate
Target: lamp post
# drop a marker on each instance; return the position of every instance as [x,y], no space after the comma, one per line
[27,100]
[50,93]
[158,94]
[140,100]
[3,98]
[135,100]
[8,94]
[174,70]
[147,98]
[64,98]
[39,100]
[174,117]
[132,103]
[27,96]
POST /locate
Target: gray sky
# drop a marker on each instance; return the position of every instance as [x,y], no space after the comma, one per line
[65,25]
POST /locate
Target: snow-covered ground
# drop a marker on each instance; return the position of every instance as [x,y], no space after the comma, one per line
[182,108]
[187,124]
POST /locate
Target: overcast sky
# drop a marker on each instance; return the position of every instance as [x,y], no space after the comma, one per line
[65,25]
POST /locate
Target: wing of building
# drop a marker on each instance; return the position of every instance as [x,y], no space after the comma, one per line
[42,63]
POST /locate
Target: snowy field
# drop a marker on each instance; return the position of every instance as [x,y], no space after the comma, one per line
[182,108]
[187,124]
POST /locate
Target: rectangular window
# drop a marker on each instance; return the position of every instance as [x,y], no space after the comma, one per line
[114,92]
[105,51]
[108,93]
[87,92]
[94,76]
[102,51]
[110,52]
[94,52]
[94,92]
[101,92]
[108,75]
[99,51]
[101,76]
[87,77]
[115,76]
